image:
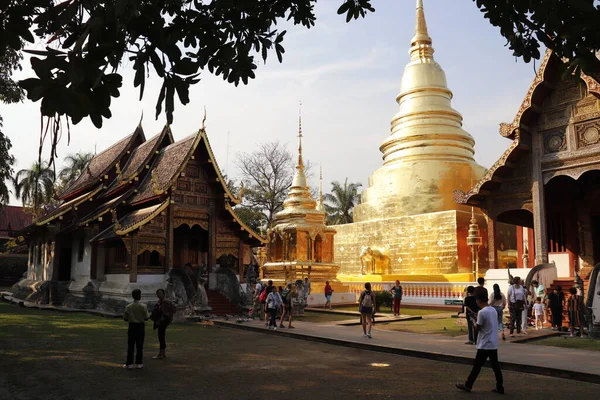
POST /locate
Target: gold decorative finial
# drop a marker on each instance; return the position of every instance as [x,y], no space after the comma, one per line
[116,225]
[141,119]
[204,119]
[421,43]
[300,161]
[320,205]
[119,172]
[240,195]
[155,185]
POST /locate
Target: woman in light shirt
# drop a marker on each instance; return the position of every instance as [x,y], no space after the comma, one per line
[498,301]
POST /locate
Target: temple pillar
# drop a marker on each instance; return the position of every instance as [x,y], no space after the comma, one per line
[94,254]
[539,203]
[212,235]
[169,239]
[133,259]
[56,261]
[520,248]
[491,236]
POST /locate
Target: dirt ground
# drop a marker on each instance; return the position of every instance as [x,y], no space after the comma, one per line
[53,355]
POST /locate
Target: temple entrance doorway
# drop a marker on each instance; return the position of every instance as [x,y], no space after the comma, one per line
[514,240]
[64,259]
[572,213]
[190,246]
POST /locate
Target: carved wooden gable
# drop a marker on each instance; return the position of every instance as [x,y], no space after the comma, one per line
[192,188]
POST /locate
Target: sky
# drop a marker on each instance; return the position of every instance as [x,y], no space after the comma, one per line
[347,76]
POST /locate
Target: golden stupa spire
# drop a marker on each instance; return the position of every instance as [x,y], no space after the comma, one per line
[320,205]
[299,176]
[420,45]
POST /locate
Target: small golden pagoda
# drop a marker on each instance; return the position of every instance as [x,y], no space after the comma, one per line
[300,245]
[407,222]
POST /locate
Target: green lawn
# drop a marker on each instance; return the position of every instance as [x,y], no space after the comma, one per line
[569,342]
[442,326]
[403,310]
[49,355]
[319,317]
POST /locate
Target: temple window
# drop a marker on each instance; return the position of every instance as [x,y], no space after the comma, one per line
[557,234]
[309,248]
[120,254]
[150,259]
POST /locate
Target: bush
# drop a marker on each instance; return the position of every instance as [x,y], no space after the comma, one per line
[383,299]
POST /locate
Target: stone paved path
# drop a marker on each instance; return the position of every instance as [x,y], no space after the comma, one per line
[544,360]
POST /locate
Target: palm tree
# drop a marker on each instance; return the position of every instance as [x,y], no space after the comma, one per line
[35,186]
[342,200]
[75,165]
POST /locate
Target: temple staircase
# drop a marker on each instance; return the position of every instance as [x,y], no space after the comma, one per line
[565,284]
[220,304]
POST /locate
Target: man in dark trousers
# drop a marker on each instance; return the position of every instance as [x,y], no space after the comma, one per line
[136,314]
[487,345]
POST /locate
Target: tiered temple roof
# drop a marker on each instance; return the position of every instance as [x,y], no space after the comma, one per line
[100,165]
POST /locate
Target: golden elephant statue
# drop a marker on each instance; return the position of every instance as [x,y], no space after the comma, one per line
[373,261]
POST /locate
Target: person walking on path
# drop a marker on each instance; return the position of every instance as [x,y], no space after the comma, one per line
[397,292]
[328,293]
[136,314]
[575,307]
[538,313]
[273,305]
[306,289]
[498,301]
[540,291]
[162,315]
[516,303]
[480,289]
[471,309]
[367,309]
[257,308]
[556,301]
[263,298]
[286,298]
[487,346]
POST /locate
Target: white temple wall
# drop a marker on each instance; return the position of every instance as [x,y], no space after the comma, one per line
[118,287]
[80,267]
[562,264]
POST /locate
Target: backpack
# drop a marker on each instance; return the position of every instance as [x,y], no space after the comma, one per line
[367,300]
[263,295]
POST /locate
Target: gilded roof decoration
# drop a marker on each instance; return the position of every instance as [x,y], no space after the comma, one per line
[104,208]
[101,164]
[139,218]
[67,206]
[140,156]
[170,163]
[508,130]
[461,197]
[130,222]
[243,225]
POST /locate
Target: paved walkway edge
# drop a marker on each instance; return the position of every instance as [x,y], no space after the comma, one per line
[507,366]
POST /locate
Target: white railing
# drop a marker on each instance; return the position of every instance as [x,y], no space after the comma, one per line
[435,293]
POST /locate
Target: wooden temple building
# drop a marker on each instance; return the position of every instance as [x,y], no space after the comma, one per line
[141,208]
[548,180]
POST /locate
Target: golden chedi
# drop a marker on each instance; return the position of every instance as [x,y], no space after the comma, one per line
[300,245]
[407,222]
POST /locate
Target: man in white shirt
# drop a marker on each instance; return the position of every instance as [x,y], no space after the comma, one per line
[487,345]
